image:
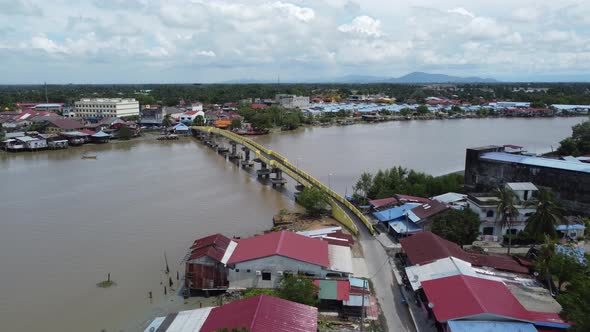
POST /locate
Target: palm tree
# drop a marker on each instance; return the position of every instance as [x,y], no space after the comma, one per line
[506,212]
[548,215]
[167,122]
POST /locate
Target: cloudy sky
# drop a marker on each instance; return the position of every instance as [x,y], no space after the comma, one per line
[129,41]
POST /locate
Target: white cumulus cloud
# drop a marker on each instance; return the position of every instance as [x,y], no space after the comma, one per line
[461,11]
[363,25]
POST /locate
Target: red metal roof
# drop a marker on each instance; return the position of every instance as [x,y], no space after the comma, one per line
[549,319]
[287,244]
[213,246]
[261,314]
[500,262]
[377,203]
[463,296]
[87,132]
[257,106]
[425,247]
[408,198]
[429,209]
[65,123]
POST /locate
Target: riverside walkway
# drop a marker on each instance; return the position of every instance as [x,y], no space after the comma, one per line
[273,163]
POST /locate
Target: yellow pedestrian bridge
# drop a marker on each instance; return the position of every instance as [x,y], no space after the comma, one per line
[342,210]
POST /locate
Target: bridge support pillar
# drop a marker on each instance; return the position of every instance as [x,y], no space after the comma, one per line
[234,152]
[263,172]
[278,179]
[246,162]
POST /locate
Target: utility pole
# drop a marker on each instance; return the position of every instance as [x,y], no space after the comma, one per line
[46,99]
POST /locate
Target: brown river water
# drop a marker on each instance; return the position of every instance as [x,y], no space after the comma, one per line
[66,222]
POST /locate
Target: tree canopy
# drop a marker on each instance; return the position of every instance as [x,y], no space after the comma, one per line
[199,121]
[459,226]
[575,302]
[548,215]
[578,143]
[236,123]
[313,200]
[124,133]
[400,180]
[300,290]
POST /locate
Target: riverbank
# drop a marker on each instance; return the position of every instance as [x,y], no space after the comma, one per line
[142,197]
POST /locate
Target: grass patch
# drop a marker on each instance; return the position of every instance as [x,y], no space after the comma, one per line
[106,284]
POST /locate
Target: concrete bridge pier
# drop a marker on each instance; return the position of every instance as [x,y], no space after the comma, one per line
[246,162]
[234,152]
[278,180]
[263,172]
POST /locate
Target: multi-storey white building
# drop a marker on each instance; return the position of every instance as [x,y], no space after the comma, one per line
[486,204]
[106,107]
[292,101]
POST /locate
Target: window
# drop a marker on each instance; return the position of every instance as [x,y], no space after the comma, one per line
[512,231]
[488,231]
[266,275]
[490,214]
[237,270]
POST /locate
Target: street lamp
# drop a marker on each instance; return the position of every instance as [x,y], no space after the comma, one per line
[330,180]
[297,161]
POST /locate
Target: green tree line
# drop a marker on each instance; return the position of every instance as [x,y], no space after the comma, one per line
[400,180]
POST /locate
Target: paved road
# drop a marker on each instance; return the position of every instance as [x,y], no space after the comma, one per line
[388,294]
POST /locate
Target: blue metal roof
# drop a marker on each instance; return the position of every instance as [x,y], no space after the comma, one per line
[537,161]
[394,213]
[356,282]
[576,227]
[489,326]
[101,134]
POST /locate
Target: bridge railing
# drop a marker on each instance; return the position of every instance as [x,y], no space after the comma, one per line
[298,175]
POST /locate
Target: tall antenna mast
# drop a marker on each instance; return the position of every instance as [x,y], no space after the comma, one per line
[46,100]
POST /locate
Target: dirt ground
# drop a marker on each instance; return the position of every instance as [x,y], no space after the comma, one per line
[298,222]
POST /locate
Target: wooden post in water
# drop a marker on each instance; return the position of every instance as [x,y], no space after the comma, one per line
[166,261]
[165,291]
[177,275]
[109,278]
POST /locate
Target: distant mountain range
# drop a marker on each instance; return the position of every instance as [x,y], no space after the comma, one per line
[412,78]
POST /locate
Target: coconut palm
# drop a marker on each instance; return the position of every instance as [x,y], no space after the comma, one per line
[548,215]
[506,212]
[167,122]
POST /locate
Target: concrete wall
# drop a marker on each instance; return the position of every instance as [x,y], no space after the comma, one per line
[246,276]
[571,188]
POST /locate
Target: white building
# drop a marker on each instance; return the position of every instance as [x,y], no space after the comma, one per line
[292,101]
[485,206]
[106,107]
[190,116]
[196,107]
[261,261]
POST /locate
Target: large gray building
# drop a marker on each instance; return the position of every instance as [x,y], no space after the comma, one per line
[489,167]
[292,101]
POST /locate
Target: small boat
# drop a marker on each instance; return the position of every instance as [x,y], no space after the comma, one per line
[88,156]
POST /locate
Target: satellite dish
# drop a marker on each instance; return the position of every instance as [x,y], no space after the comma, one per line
[430,305]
